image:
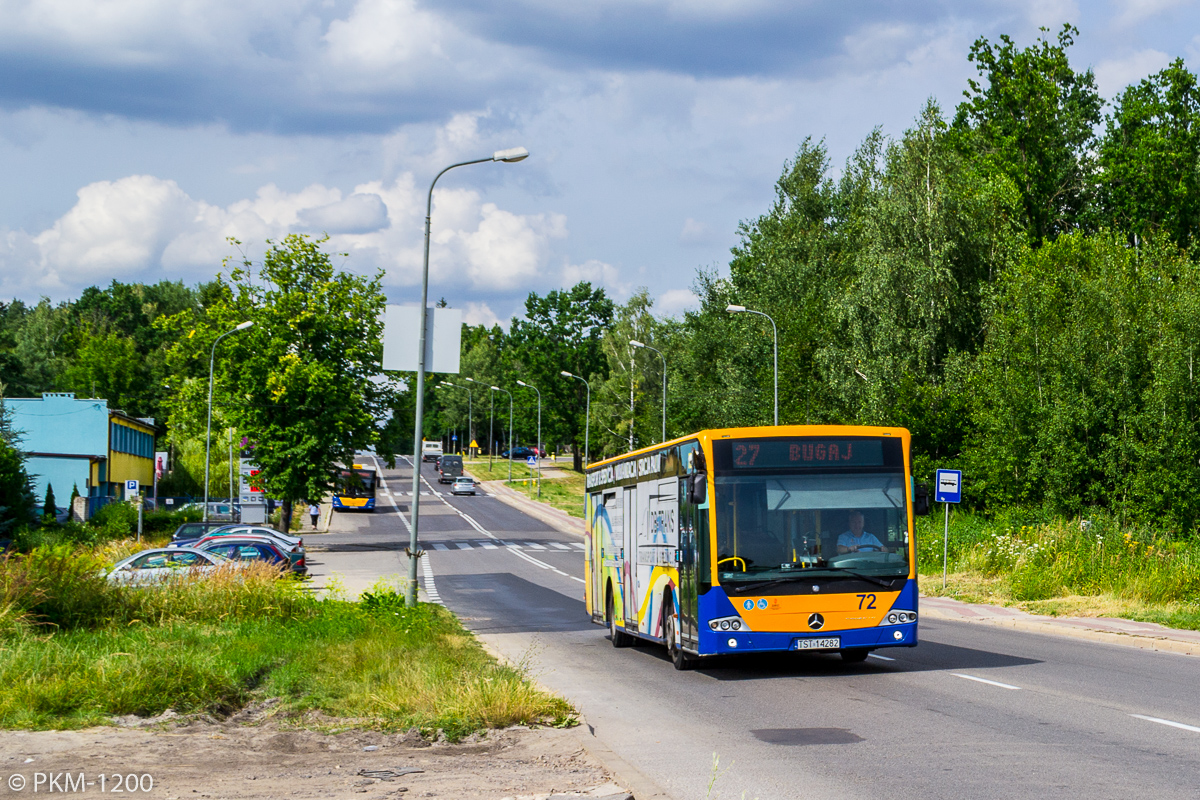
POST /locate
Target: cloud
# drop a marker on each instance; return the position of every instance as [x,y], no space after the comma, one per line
[673,302]
[358,213]
[598,273]
[694,232]
[1113,75]
[480,314]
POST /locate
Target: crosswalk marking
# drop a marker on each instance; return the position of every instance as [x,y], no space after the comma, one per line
[533,546]
[478,544]
[558,546]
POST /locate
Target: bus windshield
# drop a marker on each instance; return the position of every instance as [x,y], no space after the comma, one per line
[776,524]
[357,483]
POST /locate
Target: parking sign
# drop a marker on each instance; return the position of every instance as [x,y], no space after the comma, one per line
[131,487]
[949,486]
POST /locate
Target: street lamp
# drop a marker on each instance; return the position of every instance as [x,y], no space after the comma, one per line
[511,155]
[636,343]
[587,415]
[732,309]
[510,441]
[470,423]
[538,452]
[208,434]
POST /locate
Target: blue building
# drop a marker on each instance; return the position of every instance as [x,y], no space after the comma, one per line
[82,443]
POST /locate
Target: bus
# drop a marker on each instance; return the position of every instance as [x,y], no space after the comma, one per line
[755,540]
[356,489]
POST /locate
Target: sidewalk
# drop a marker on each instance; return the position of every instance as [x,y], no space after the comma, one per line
[559,520]
[1145,635]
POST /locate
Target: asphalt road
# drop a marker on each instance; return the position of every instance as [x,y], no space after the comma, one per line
[974,711]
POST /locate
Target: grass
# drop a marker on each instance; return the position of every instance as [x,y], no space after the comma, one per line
[564,493]
[1092,567]
[75,651]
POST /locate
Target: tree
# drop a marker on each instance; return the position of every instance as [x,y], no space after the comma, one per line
[563,331]
[1034,122]
[626,406]
[49,507]
[299,383]
[16,492]
[1148,158]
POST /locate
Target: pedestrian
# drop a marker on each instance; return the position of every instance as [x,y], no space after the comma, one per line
[314,511]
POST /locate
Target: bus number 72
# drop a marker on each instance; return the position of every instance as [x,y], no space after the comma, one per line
[868,599]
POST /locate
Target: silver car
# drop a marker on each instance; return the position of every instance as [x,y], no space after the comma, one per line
[162,564]
[463,485]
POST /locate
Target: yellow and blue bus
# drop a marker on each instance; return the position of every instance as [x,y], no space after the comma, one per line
[753,540]
[355,489]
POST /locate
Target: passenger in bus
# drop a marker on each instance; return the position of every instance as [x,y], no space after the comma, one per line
[856,540]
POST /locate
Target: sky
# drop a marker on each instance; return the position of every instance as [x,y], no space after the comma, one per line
[137,136]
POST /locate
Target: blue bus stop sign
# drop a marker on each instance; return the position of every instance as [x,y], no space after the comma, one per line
[454,437]
[949,486]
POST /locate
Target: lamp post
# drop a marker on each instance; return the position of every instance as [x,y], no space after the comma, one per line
[510,441]
[732,309]
[636,343]
[511,155]
[470,412]
[212,356]
[587,415]
[538,447]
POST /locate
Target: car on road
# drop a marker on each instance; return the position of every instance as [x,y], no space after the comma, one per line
[162,564]
[463,485]
[246,548]
[449,468]
[431,451]
[520,453]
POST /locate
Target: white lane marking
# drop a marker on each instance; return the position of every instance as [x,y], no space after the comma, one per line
[534,546]
[881,658]
[1179,725]
[543,564]
[579,545]
[488,546]
[430,587]
[439,546]
[463,545]
[984,680]
[558,546]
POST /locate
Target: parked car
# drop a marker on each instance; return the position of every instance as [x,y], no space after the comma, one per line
[160,564]
[259,530]
[191,531]
[463,485]
[521,453]
[239,548]
[295,553]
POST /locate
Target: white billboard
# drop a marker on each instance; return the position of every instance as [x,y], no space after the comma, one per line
[443,339]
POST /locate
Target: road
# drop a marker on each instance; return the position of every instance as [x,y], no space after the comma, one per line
[974,711]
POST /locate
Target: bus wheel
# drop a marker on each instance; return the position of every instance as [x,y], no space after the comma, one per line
[679,659]
[855,656]
[618,637]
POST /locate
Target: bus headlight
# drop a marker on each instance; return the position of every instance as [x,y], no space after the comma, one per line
[899,618]
[714,625]
[733,623]
[724,624]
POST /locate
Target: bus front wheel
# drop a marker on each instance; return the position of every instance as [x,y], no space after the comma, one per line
[855,656]
[619,637]
[679,658]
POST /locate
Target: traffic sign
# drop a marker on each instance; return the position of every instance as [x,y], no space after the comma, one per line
[454,437]
[948,488]
[131,487]
[531,461]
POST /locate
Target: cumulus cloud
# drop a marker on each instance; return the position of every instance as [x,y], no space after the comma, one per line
[598,273]
[1113,75]
[673,302]
[146,228]
[480,314]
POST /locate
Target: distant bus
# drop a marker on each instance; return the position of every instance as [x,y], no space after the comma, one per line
[752,540]
[356,489]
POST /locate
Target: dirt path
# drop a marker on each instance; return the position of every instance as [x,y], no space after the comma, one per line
[207,759]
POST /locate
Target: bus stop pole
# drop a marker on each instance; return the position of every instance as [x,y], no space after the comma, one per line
[945,545]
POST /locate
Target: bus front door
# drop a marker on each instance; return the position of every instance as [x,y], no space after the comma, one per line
[629,556]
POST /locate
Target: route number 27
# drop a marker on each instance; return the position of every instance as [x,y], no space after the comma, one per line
[866,600]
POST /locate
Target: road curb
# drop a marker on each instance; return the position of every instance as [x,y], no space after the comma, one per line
[559,520]
[1051,627]
[641,785]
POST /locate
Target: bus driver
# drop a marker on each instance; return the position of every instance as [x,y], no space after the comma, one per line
[857,540]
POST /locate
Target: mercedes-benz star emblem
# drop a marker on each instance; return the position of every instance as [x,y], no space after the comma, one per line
[816,622]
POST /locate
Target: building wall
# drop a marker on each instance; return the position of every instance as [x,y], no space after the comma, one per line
[65,432]
[130,454]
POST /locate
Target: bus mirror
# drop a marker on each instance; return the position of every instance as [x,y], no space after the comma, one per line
[697,489]
[921,500]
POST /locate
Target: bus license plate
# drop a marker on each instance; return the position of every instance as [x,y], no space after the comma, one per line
[829,643]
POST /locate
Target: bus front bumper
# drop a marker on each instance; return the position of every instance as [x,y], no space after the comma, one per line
[724,642]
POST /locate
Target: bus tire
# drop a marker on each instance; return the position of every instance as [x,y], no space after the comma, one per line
[856,655]
[618,637]
[679,659]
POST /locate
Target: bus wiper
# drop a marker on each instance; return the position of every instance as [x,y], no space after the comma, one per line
[747,587]
[861,577]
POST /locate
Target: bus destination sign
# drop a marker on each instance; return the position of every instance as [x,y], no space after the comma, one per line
[806,452]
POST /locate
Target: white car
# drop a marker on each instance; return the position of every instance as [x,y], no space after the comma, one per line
[161,564]
[463,485]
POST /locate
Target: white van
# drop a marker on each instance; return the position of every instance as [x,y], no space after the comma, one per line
[431,451]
